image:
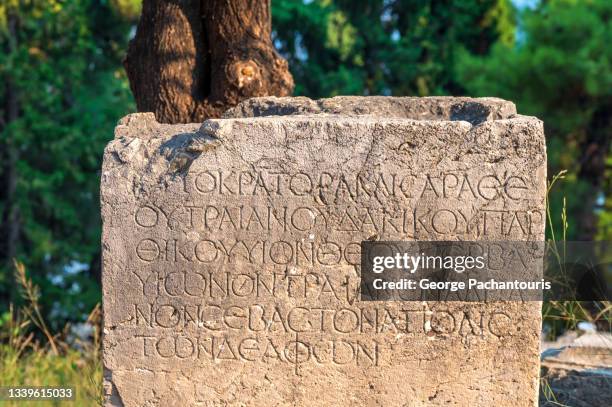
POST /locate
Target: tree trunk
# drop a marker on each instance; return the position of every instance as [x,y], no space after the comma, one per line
[193,59]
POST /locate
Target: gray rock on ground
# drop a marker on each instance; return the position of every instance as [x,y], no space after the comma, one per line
[577,370]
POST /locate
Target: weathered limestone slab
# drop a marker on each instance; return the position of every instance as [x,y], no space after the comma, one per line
[231,254]
[428,108]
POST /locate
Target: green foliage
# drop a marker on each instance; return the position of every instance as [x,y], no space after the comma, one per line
[401,47]
[127,9]
[559,69]
[604,227]
[63,62]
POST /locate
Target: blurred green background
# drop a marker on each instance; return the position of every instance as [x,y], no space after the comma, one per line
[63,88]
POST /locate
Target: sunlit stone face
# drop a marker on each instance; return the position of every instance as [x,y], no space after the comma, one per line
[231,255]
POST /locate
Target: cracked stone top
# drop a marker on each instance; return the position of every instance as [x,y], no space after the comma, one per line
[473,110]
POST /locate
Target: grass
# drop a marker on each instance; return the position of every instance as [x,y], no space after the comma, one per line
[548,394]
[30,355]
[560,316]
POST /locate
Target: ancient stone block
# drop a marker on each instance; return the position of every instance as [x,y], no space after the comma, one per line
[231,254]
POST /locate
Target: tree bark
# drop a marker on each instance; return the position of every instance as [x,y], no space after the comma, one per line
[193,59]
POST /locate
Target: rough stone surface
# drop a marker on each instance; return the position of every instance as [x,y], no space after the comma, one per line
[576,370]
[470,110]
[230,254]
